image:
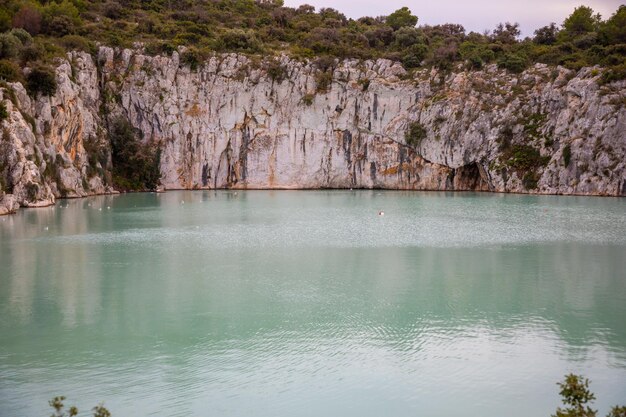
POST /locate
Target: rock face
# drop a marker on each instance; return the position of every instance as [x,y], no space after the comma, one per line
[43,142]
[229,124]
[237,123]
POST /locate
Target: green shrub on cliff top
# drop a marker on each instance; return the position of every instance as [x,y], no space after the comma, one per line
[10,45]
[513,62]
[9,71]
[253,27]
[401,18]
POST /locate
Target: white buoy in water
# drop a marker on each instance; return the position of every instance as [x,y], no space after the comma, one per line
[100,209]
[108,208]
[381,213]
[46,228]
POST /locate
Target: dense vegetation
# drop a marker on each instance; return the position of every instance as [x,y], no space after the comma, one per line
[136,164]
[35,31]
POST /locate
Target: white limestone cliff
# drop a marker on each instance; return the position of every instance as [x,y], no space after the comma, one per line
[43,140]
[229,124]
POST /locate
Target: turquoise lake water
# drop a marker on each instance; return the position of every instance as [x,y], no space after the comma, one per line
[294,303]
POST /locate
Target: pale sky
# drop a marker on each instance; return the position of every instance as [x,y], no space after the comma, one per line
[474,15]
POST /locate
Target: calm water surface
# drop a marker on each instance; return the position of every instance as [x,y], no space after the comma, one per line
[310,304]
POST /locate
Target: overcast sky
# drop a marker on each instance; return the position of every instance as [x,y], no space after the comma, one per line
[474,15]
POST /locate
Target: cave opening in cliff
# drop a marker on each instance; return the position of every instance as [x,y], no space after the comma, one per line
[468,178]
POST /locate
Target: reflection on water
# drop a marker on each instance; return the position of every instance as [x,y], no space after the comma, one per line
[309,303]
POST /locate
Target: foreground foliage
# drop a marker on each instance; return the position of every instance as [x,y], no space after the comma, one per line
[57,404]
[574,393]
[577,398]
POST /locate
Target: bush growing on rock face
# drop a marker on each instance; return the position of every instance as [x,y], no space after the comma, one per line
[4,114]
[97,156]
[307,99]
[567,155]
[364,83]
[135,164]
[275,70]
[415,56]
[614,73]
[415,134]
[325,63]
[323,81]
[191,58]
[41,80]
[525,157]
[530,180]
